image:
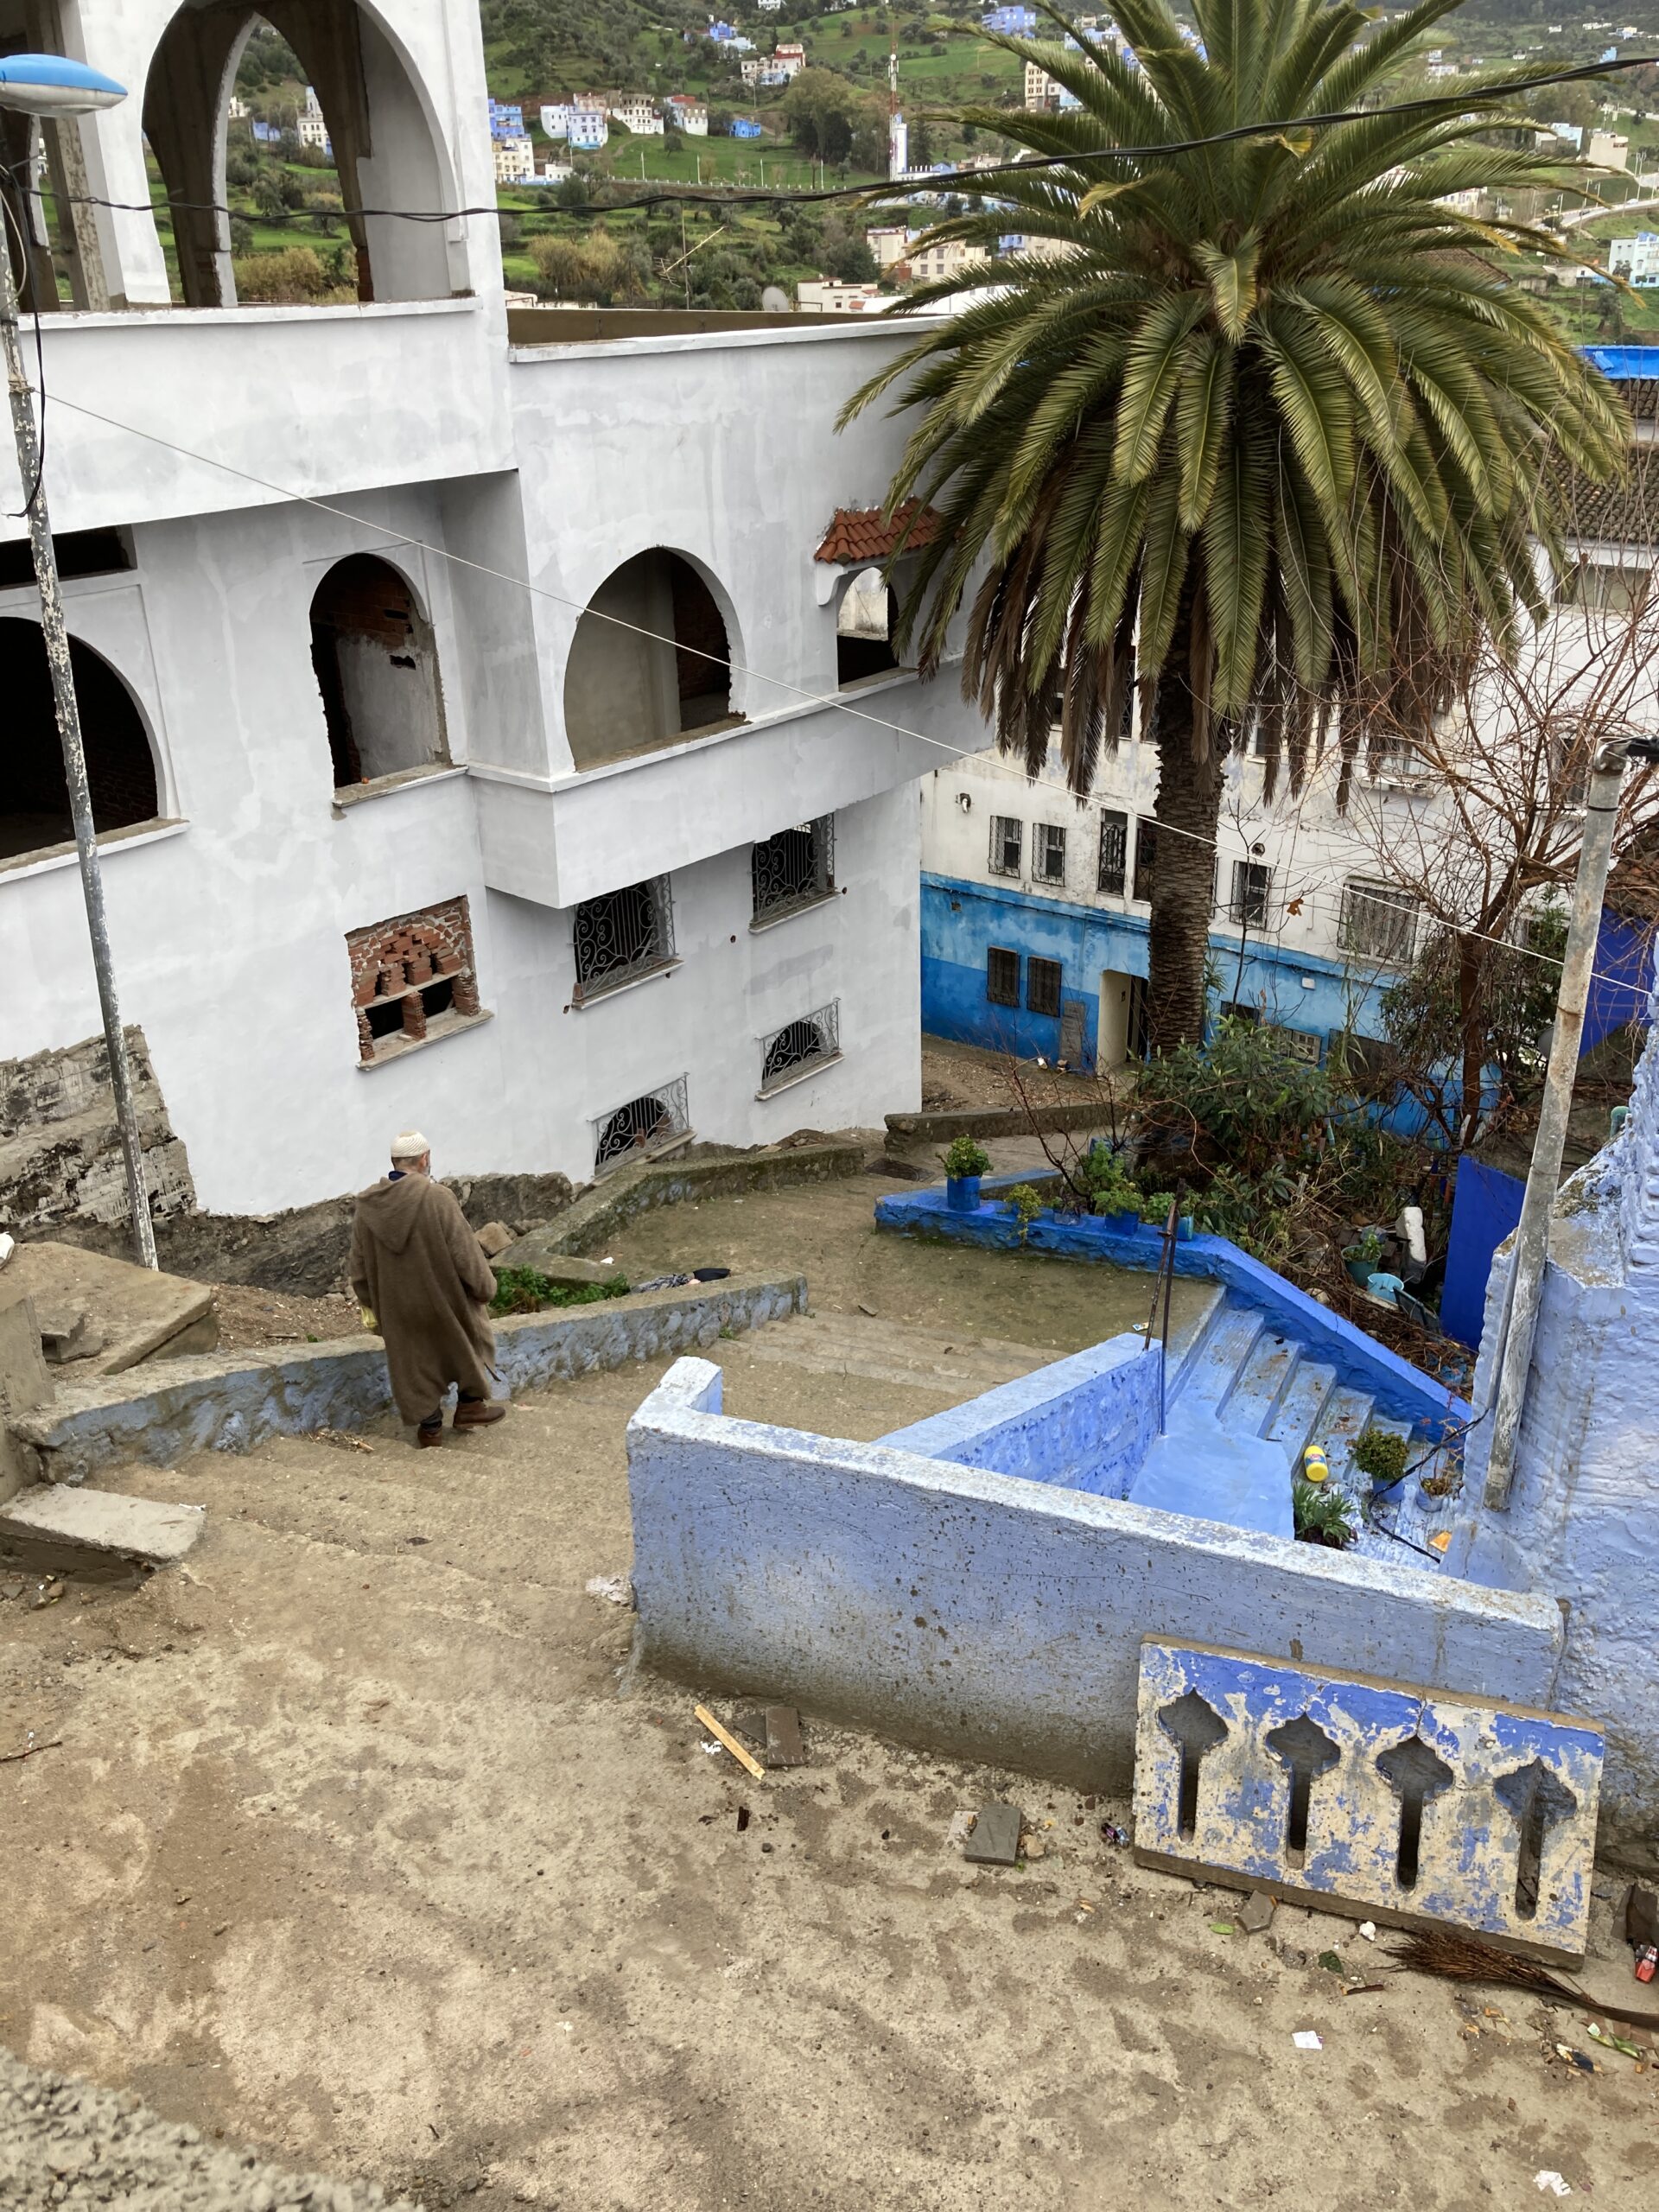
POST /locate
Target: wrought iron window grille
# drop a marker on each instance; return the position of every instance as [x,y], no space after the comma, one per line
[623,935]
[1252,894]
[1048,852]
[1007,836]
[1114,854]
[1378,922]
[643,1125]
[799,1046]
[1001,976]
[1042,986]
[796,868]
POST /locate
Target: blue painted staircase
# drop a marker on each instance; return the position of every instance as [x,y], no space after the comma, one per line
[1244,1396]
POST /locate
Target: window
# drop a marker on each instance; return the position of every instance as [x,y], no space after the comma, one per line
[1608,587]
[1002,977]
[863,627]
[1006,835]
[796,868]
[649,662]
[1113,853]
[412,980]
[377,668]
[1048,852]
[1252,884]
[1043,986]
[1378,922]
[799,1046]
[1146,857]
[120,768]
[655,1122]
[78,552]
[623,935]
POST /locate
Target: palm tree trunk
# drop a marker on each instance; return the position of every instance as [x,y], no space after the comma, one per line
[1183,874]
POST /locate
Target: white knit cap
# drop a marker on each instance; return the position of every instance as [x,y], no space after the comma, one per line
[410,1144]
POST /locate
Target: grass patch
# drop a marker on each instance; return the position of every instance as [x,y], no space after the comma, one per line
[527,1290]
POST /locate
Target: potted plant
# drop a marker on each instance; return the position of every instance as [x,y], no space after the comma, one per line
[965,1162]
[1321,1515]
[1024,1201]
[1381,1454]
[1364,1257]
[1154,1212]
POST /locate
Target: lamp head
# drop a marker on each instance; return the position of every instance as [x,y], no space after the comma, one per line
[51,84]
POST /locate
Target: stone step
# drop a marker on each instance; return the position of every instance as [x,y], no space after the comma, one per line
[1299,1407]
[1208,1379]
[1262,1381]
[1346,1417]
[67,1529]
[1188,1342]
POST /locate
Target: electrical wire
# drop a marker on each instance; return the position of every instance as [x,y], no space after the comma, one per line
[697,195]
[838,699]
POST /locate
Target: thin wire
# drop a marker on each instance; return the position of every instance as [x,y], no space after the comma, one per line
[945,181]
[655,636]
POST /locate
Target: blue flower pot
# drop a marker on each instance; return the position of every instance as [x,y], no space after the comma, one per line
[1126,1223]
[1184,1229]
[962,1193]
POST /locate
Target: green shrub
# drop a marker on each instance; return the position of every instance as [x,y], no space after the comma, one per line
[1382,1455]
[527,1290]
[1320,1513]
[1156,1209]
[1244,1099]
[964,1156]
[1026,1202]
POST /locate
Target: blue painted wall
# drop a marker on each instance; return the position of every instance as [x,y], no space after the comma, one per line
[961,920]
[1485,1207]
[1621,987]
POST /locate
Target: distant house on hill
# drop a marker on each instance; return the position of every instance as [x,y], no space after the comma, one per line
[741,127]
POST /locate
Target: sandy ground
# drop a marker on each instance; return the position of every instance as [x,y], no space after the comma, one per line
[353,1851]
[249,1316]
[967,1075]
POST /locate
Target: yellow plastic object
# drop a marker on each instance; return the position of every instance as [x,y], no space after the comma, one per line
[1315,1466]
[368,1319]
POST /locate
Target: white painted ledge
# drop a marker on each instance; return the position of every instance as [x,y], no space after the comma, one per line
[110,842]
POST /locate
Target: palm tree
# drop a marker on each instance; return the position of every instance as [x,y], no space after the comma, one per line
[1263,425]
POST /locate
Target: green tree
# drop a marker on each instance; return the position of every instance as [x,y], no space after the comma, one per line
[1271,429]
[823,113]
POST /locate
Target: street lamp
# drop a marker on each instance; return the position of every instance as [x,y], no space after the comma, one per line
[47,85]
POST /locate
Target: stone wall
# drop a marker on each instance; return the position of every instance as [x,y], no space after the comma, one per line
[60,1157]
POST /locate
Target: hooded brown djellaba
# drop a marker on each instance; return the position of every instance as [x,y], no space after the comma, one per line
[417,1267]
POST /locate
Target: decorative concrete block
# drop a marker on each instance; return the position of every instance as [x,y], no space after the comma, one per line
[1409,1805]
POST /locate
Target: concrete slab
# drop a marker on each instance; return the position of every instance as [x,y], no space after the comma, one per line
[1199,1467]
[139,1313]
[995,1838]
[1376,1798]
[107,1526]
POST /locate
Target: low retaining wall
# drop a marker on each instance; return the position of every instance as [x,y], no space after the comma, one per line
[939,1128]
[1400,1390]
[230,1401]
[993,1618]
[611,1205]
[1087,1421]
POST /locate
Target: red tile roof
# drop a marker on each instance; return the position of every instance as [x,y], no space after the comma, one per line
[859,535]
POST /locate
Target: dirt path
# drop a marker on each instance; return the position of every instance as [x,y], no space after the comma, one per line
[353,1851]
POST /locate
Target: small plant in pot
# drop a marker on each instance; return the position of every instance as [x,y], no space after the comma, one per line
[1381,1455]
[1321,1515]
[964,1163]
[1363,1256]
[1024,1201]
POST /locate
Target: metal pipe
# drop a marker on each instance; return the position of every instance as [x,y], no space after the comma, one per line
[1513,1358]
[74,758]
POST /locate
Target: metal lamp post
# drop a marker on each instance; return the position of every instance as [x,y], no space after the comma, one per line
[47,85]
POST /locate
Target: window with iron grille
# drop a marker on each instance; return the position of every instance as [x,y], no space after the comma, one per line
[1001,976]
[1043,986]
[800,1046]
[624,934]
[1048,852]
[1146,857]
[1252,887]
[796,868]
[1008,834]
[1113,853]
[1378,921]
[657,1118]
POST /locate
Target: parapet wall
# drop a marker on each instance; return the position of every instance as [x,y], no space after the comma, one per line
[992,1616]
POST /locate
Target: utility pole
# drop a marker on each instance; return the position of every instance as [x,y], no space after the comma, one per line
[1514,1359]
[37,85]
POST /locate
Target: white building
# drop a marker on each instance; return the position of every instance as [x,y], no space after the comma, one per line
[929,263]
[889,243]
[789,56]
[826,295]
[515,160]
[1041,91]
[588,131]
[1609,149]
[638,112]
[1635,258]
[397,830]
[556,118]
[687,114]
[308,127]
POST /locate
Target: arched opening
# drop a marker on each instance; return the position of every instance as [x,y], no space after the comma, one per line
[120,768]
[269,131]
[627,693]
[376,668]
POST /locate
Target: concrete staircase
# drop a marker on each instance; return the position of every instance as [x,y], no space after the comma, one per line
[957,1365]
[1242,1379]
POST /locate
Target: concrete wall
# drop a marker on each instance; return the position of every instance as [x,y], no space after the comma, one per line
[994,1618]
[1583,1518]
[1084,1423]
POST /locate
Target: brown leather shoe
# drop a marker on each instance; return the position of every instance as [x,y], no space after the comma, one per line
[475,1413]
[425,1437]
